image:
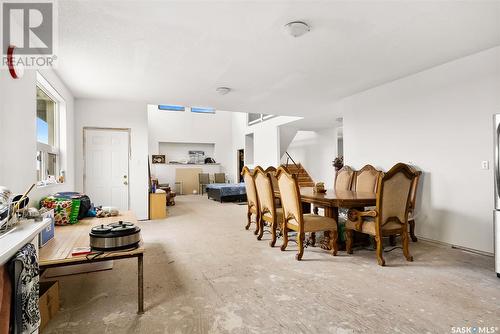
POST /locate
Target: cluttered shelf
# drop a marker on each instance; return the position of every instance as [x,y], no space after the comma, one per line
[18,236]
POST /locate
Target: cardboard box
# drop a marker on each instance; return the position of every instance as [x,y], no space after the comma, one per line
[48,302]
[158,205]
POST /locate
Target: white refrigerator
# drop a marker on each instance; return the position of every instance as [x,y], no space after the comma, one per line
[496,212]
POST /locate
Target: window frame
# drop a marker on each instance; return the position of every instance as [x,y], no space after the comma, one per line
[46,149]
[260,119]
[202,110]
[171,107]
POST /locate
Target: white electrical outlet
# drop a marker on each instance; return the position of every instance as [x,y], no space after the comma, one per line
[485,164]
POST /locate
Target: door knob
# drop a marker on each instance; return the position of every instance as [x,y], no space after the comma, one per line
[125,182]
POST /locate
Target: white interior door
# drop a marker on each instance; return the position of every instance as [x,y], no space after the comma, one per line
[106,167]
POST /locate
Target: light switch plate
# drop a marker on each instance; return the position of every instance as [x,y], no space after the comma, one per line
[485,164]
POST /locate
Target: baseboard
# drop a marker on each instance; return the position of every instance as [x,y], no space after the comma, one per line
[442,243]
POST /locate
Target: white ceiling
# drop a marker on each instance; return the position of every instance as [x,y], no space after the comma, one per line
[178,52]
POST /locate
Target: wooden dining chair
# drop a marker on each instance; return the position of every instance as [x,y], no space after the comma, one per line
[220,178]
[413,201]
[366,179]
[252,201]
[272,173]
[295,220]
[343,181]
[343,178]
[269,213]
[203,181]
[390,216]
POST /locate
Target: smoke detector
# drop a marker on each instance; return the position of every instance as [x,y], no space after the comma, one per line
[297,28]
[223,90]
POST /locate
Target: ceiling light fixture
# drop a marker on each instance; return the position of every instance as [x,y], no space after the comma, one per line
[223,90]
[297,28]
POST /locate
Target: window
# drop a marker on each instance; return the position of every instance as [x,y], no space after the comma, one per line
[47,135]
[170,107]
[200,110]
[253,118]
[257,118]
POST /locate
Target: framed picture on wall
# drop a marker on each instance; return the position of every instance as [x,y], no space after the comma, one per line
[158,158]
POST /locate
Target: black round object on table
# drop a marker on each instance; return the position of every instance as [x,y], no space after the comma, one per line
[101,229]
[120,224]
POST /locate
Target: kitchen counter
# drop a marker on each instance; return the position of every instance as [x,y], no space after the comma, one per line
[19,236]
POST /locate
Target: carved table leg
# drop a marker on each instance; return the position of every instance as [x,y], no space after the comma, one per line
[332,212]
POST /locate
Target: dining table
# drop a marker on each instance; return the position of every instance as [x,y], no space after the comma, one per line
[331,201]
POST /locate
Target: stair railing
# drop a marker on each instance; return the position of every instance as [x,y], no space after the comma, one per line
[288,158]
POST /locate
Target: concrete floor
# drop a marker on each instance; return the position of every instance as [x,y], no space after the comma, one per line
[204,273]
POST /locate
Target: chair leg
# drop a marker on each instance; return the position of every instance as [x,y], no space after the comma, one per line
[249,219]
[406,249]
[412,230]
[300,243]
[260,224]
[333,241]
[285,237]
[380,250]
[257,227]
[273,234]
[348,241]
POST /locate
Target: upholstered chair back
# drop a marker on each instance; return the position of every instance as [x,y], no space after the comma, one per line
[204,178]
[272,173]
[220,178]
[366,179]
[290,197]
[265,193]
[343,178]
[248,177]
[414,188]
[393,199]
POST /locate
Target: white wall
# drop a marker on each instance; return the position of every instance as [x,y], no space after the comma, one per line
[316,150]
[118,114]
[187,127]
[266,139]
[166,173]
[180,151]
[249,149]
[441,121]
[18,134]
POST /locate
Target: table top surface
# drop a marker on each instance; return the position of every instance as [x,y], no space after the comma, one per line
[66,238]
[337,198]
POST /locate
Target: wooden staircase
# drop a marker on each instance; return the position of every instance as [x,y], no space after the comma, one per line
[304,178]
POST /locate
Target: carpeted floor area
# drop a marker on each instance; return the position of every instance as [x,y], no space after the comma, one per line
[204,273]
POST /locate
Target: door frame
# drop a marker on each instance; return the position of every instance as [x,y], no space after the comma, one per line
[238,176]
[95,128]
